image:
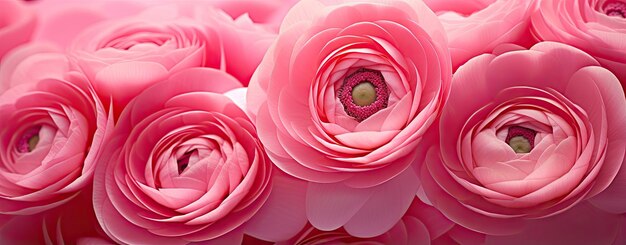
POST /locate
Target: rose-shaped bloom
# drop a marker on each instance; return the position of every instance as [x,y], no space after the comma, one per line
[53,128]
[17,23]
[597,27]
[141,50]
[184,164]
[525,135]
[475,27]
[342,99]
[422,224]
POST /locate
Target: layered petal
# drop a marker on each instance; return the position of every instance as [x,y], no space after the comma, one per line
[140,50]
[527,135]
[16,25]
[184,165]
[594,26]
[476,27]
[54,128]
[342,100]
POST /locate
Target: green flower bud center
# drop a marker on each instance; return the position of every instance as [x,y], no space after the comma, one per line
[520,144]
[32,143]
[364,94]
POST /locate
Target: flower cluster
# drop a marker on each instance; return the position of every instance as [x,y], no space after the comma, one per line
[313,122]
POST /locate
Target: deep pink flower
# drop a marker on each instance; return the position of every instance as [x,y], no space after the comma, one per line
[17,23]
[583,224]
[184,165]
[597,27]
[71,223]
[526,135]
[342,100]
[53,128]
[476,27]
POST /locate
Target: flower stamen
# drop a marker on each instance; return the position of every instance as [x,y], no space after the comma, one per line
[363,93]
[520,139]
[183,161]
[617,9]
[29,140]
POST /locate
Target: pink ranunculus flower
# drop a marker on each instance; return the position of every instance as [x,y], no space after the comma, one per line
[17,23]
[342,100]
[421,225]
[526,135]
[597,27]
[135,52]
[184,165]
[476,27]
[53,129]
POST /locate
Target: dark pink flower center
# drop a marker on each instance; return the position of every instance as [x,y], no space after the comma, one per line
[183,161]
[615,9]
[29,140]
[363,93]
[521,140]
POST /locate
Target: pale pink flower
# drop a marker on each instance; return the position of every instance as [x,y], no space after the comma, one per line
[476,27]
[268,12]
[124,56]
[184,165]
[53,128]
[421,225]
[17,23]
[526,135]
[60,21]
[342,100]
[31,63]
[597,27]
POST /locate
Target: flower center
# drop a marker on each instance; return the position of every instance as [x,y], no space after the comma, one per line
[183,161]
[520,139]
[363,93]
[615,9]
[29,140]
